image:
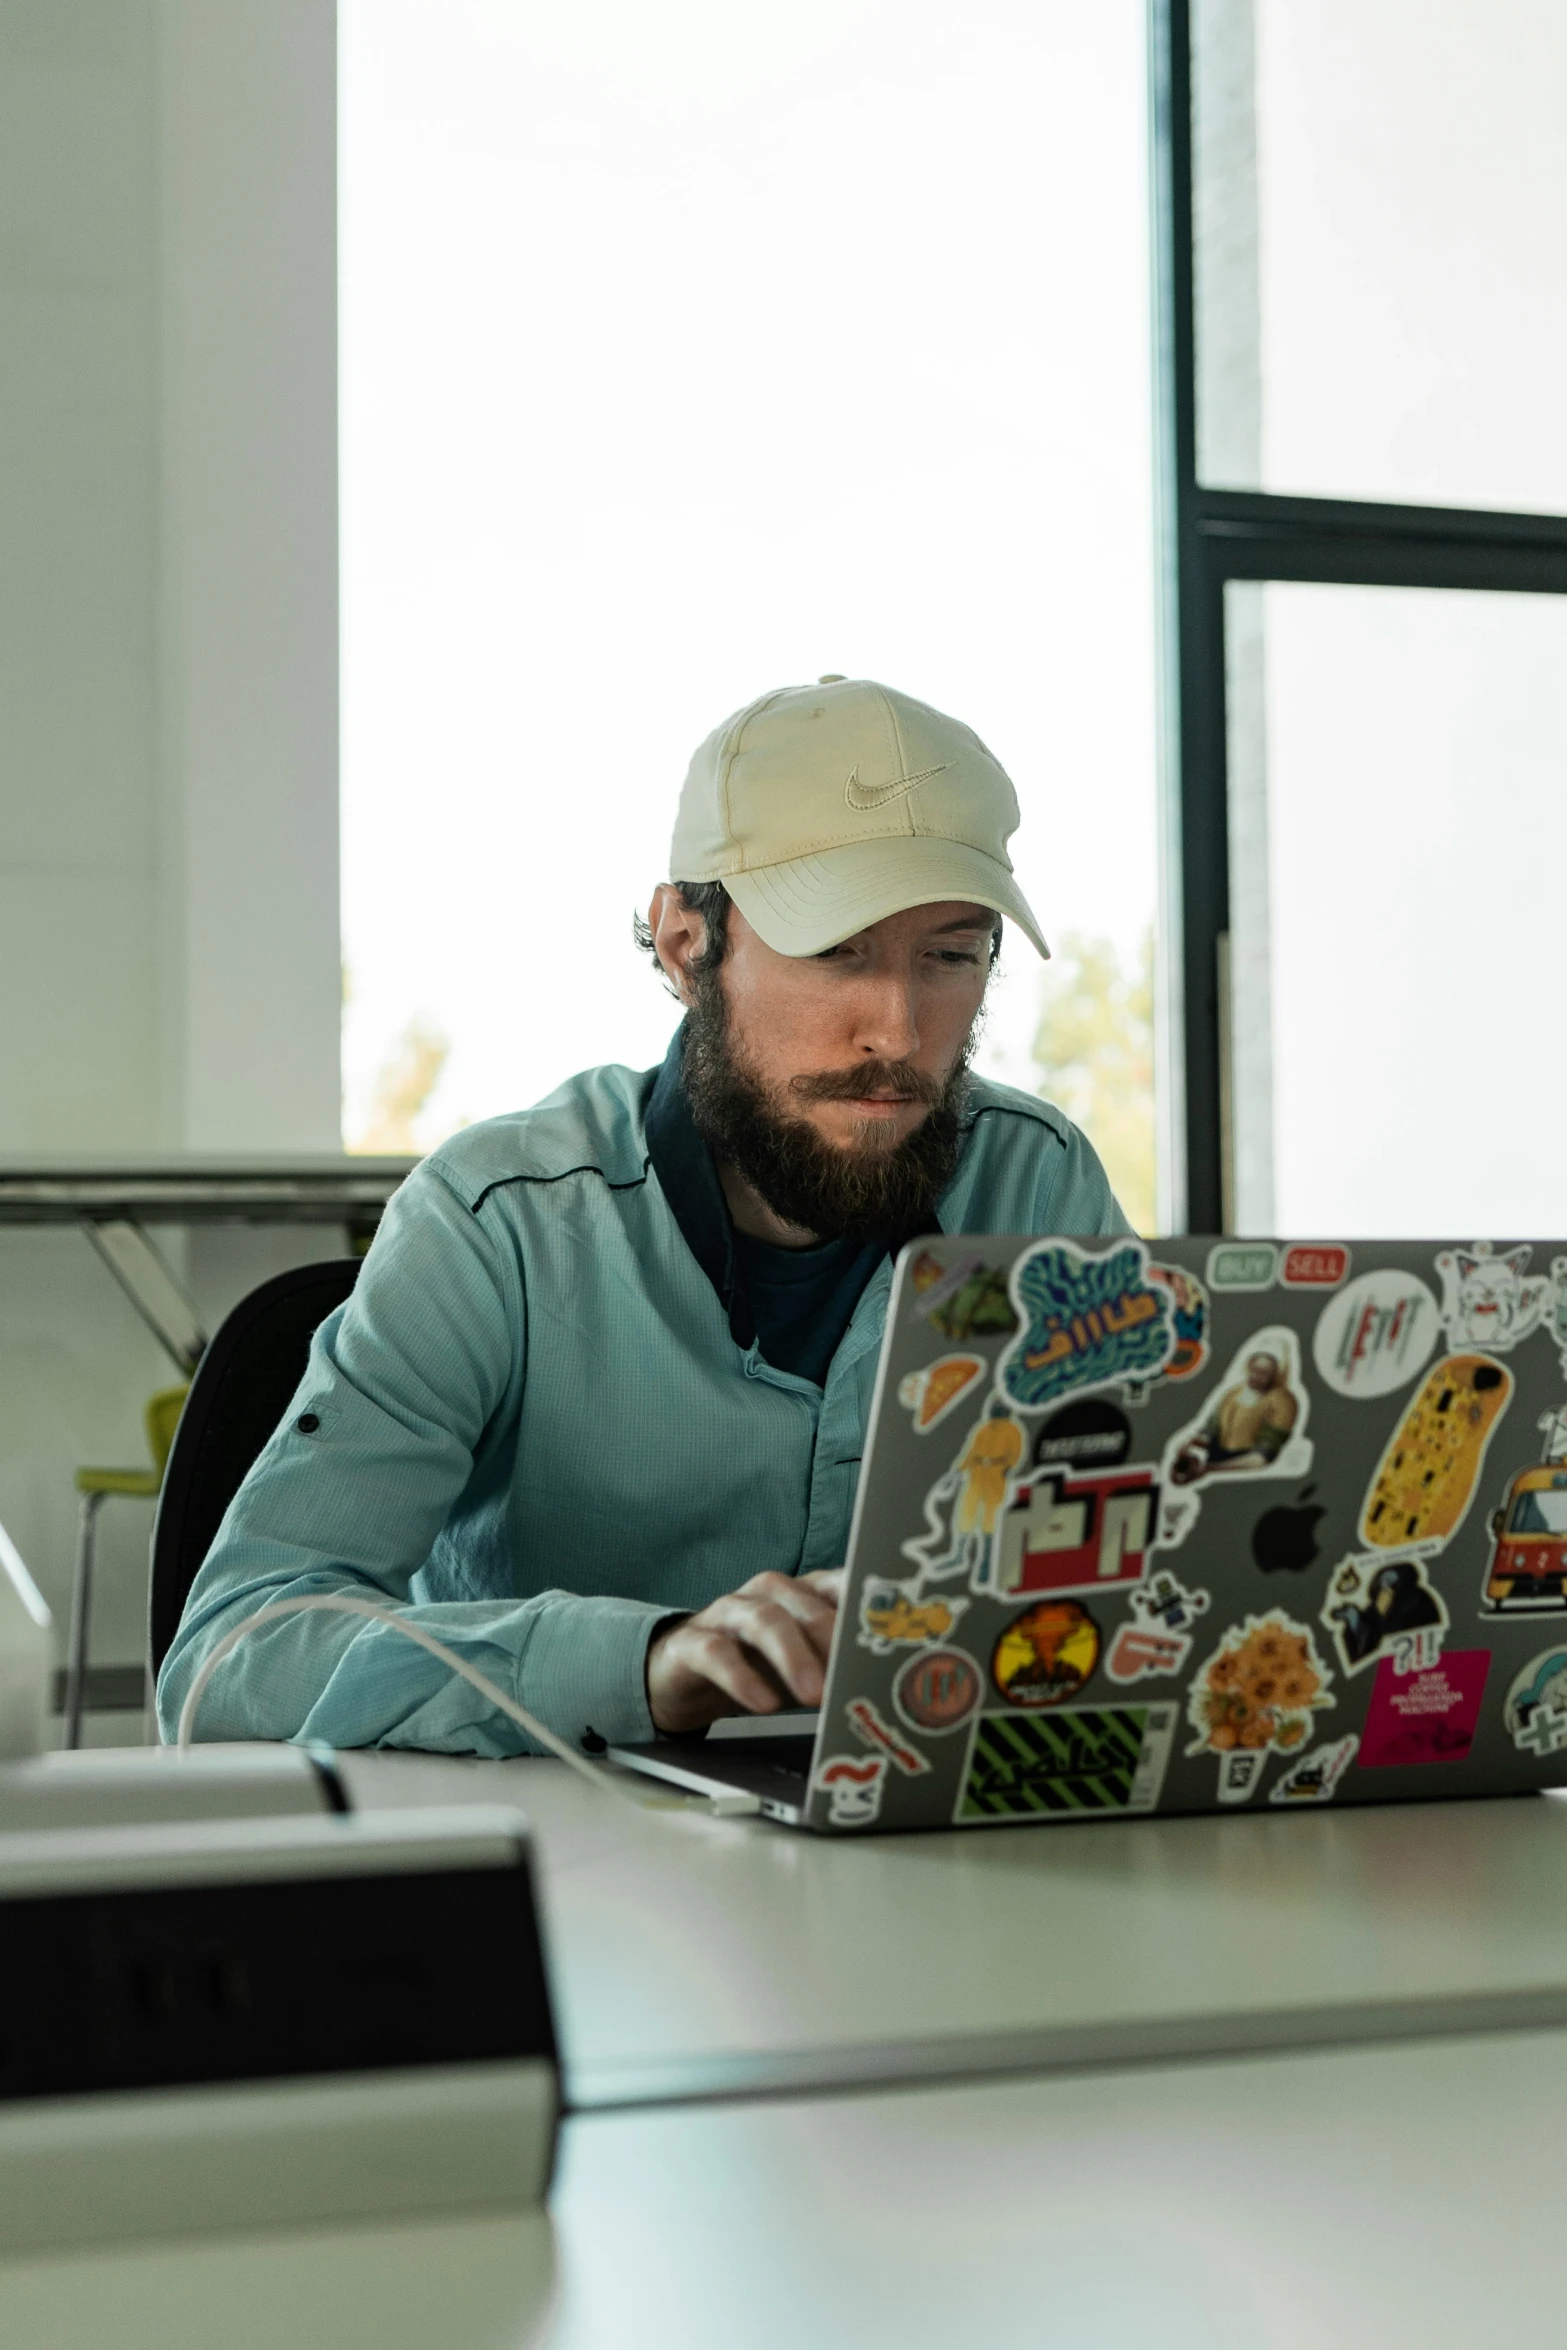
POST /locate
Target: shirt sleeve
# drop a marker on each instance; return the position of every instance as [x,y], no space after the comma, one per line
[1081,1200]
[405,1385]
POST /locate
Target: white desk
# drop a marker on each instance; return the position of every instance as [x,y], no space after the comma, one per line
[693,1957]
[1344,2200]
[1382,2199]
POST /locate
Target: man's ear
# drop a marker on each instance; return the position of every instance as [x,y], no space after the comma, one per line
[679,935]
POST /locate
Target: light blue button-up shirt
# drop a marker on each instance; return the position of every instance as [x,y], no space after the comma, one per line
[533,1427]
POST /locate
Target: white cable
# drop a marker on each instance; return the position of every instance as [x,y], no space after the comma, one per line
[338,1603]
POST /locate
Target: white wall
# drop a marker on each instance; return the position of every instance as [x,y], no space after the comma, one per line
[169,962]
[169,968]
[247,519]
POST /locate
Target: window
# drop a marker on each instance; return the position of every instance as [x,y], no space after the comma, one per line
[689,350]
[1381,209]
[1365,728]
[1395,964]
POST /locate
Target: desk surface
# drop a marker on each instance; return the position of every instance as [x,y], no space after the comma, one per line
[694,1958]
[1348,2198]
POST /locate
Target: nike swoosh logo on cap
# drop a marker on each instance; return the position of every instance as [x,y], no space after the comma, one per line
[858,797]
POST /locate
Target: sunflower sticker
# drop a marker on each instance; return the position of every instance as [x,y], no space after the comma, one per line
[1256,1695]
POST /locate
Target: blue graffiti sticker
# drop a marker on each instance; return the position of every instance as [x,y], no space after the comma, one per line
[1087,1322]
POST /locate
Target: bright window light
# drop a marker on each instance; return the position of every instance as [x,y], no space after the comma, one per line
[693,347]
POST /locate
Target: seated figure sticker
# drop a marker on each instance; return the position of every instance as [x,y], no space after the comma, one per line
[1253,1424]
[1087,1321]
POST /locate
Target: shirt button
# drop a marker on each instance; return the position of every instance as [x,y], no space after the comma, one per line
[307,1423]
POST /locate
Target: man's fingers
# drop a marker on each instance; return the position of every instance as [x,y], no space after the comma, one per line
[781,1638]
[720,1659]
[755,1651]
[815,1610]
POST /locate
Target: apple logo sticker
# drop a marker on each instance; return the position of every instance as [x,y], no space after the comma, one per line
[1284,1540]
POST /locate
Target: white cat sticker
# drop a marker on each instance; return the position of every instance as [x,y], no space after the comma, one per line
[1485,1299]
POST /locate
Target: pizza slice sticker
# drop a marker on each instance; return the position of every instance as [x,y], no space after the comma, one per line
[930,1394]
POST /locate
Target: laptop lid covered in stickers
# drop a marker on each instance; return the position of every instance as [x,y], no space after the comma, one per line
[1176,1525]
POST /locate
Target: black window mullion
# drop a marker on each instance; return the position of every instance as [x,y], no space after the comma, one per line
[1205,538]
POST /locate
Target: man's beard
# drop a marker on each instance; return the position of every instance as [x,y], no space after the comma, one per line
[864,1191]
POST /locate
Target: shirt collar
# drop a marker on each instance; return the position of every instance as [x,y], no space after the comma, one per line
[684,1166]
[685,1170]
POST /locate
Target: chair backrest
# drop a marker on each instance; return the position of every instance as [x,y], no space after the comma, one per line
[239,1394]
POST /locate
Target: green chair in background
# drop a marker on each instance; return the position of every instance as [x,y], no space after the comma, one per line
[95,1487]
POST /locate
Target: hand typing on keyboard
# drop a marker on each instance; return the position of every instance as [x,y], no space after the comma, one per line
[754,1651]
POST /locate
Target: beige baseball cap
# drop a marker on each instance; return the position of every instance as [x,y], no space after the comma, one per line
[823,808]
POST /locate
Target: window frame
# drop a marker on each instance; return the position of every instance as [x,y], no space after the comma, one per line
[1205,537]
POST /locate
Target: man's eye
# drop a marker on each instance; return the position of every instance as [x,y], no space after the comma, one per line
[956,956]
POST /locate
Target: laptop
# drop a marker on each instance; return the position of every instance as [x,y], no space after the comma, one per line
[1189,1525]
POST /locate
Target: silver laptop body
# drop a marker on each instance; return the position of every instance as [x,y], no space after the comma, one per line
[1183,1525]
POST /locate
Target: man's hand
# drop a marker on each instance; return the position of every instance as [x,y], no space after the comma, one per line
[755,1651]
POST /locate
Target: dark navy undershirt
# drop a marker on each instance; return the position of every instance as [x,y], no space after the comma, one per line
[802,1298]
[795,1304]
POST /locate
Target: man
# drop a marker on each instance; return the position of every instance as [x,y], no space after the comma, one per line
[1247,1428]
[594,1413]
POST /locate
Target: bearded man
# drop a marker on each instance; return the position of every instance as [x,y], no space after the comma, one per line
[595,1410]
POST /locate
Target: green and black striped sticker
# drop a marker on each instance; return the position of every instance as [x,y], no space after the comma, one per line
[1069,1765]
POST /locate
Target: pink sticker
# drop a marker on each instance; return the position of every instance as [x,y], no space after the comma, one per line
[1425,1717]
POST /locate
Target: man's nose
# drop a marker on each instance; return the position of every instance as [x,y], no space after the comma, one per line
[886,1024]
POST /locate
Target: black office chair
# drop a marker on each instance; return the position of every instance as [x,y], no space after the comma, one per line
[237,1397]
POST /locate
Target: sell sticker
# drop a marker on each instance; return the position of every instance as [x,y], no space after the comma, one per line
[1314,1268]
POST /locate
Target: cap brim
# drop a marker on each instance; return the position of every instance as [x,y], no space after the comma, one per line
[808,904]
